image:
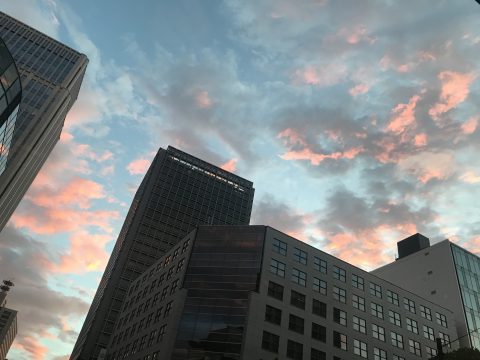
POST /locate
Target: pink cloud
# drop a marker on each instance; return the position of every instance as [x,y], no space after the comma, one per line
[455,89]
[53,221]
[31,346]
[321,75]
[470,177]
[203,100]
[403,116]
[420,140]
[470,125]
[292,137]
[359,89]
[138,166]
[427,166]
[230,165]
[316,159]
[86,253]
[77,191]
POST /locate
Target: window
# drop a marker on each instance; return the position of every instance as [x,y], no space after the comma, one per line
[445,339]
[277,268]
[273,315]
[180,265]
[430,351]
[339,273]
[357,281]
[297,299]
[185,246]
[161,333]
[425,312]
[296,324]
[168,307]
[319,332]
[340,316]
[279,247]
[320,265]
[441,320]
[379,354]
[360,348]
[392,297]
[376,310]
[378,332]
[270,342]
[340,340]
[319,308]
[397,340]
[299,277]
[396,357]
[428,332]
[275,290]
[300,256]
[340,294]
[359,325]
[294,350]
[358,302]
[394,318]
[375,290]
[320,286]
[409,305]
[174,286]
[414,347]
[317,355]
[412,325]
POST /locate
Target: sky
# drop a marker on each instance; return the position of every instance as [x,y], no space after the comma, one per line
[357,121]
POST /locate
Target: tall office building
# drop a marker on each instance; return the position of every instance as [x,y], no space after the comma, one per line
[8,321]
[50,75]
[10,96]
[252,292]
[178,193]
[444,273]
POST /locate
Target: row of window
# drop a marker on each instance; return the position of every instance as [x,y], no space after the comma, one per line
[318,285]
[144,323]
[155,337]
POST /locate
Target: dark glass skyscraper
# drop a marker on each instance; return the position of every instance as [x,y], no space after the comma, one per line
[178,193]
[10,96]
[51,74]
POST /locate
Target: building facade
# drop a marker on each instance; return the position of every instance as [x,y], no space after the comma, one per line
[10,97]
[252,292]
[50,76]
[178,193]
[8,330]
[446,274]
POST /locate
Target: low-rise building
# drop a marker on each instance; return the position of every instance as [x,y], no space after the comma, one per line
[252,292]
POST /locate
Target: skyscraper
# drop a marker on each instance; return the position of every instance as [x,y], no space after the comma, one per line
[10,96]
[51,74]
[252,292]
[178,193]
[444,273]
[8,321]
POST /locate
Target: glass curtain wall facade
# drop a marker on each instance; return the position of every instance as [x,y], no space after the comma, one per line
[178,193]
[51,75]
[10,97]
[223,269]
[467,266]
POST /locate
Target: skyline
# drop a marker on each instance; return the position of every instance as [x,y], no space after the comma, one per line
[371,109]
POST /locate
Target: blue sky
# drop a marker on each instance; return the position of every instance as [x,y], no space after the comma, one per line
[357,122]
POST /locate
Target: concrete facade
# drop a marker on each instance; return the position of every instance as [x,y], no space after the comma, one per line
[439,274]
[275,297]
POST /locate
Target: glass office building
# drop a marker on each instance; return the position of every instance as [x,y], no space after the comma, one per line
[178,193]
[50,75]
[468,274]
[10,97]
